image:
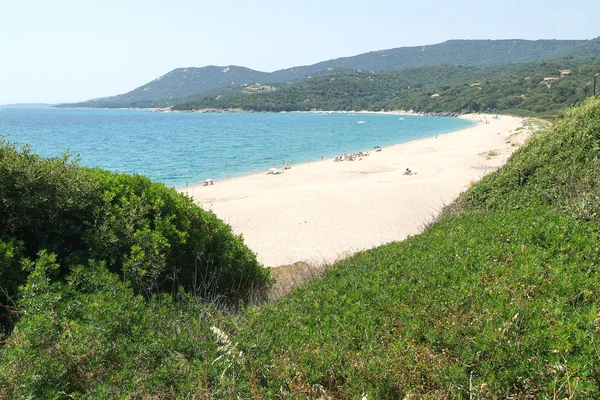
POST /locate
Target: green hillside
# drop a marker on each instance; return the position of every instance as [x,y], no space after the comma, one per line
[499,298]
[55,212]
[176,86]
[181,83]
[438,89]
[470,53]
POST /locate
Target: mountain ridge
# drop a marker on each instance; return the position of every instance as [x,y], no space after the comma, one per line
[181,83]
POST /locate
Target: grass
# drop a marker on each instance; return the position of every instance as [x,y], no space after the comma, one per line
[495,300]
[489,154]
[499,298]
[287,277]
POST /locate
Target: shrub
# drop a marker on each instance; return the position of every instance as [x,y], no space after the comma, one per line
[11,275]
[151,235]
[90,336]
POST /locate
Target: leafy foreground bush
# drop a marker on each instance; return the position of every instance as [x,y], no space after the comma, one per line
[91,336]
[499,299]
[148,234]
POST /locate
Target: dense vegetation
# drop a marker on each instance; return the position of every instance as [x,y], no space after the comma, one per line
[470,53]
[497,299]
[515,88]
[177,85]
[151,236]
[182,83]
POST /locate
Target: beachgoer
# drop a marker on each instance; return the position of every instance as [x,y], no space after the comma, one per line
[408,172]
[321,156]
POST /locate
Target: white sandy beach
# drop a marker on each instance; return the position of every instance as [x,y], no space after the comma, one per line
[325,210]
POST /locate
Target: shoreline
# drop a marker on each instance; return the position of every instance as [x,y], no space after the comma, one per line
[322,211]
[299,164]
[242,111]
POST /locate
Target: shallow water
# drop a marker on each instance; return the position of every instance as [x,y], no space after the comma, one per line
[186,148]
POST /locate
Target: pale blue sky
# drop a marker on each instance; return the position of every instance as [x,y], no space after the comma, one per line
[72,50]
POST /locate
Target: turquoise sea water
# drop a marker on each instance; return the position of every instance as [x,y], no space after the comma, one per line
[180,148]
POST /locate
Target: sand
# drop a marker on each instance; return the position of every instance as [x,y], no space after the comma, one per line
[324,210]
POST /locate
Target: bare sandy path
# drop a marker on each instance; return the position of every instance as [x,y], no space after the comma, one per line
[325,210]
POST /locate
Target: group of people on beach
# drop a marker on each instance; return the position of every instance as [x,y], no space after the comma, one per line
[352,157]
[277,171]
[484,120]
[345,157]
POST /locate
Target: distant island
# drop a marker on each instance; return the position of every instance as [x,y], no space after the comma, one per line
[453,76]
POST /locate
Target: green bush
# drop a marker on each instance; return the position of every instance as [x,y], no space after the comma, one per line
[161,240]
[90,336]
[149,234]
[11,275]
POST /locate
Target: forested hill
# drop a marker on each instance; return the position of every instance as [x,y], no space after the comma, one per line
[182,83]
[177,85]
[474,53]
[518,89]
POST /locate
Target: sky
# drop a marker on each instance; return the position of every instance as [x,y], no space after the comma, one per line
[54,51]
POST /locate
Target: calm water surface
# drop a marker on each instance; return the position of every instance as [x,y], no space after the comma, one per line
[180,148]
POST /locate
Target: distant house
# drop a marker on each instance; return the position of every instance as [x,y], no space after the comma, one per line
[528,78]
[565,72]
[476,84]
[258,88]
[435,96]
[523,96]
[549,79]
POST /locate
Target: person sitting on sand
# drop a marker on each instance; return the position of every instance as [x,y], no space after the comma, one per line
[208,182]
[408,172]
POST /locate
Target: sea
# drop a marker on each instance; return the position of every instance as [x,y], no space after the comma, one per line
[180,149]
